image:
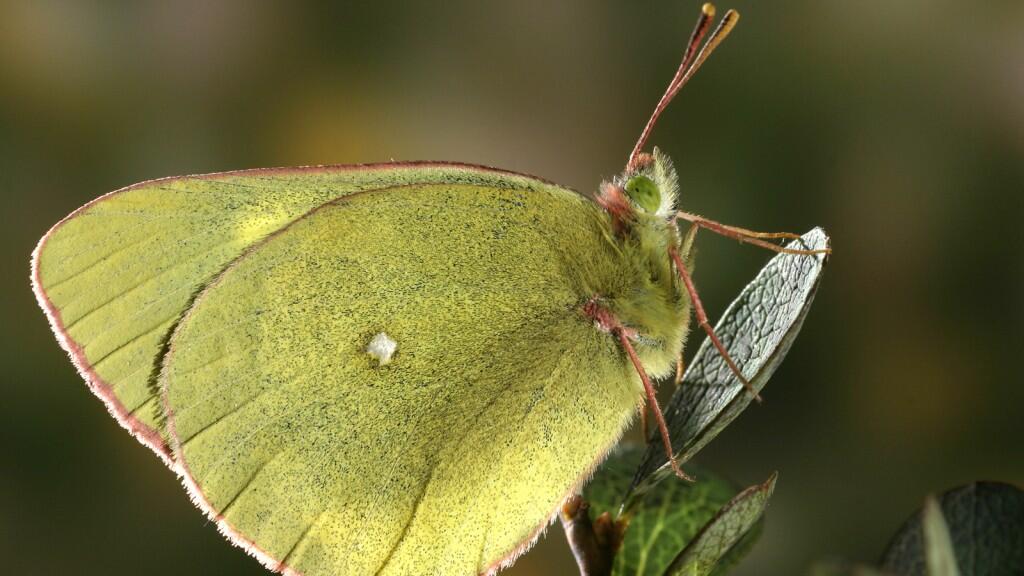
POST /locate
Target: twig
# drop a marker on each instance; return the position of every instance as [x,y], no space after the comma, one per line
[593,543]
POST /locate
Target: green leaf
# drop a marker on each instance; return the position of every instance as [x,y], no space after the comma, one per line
[723,533]
[986,527]
[939,555]
[757,329]
[667,519]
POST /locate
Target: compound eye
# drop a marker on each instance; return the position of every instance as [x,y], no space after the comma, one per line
[644,193]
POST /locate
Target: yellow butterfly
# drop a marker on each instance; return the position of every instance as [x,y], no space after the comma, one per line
[396,368]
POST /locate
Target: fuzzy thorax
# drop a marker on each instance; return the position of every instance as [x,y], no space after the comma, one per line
[647,299]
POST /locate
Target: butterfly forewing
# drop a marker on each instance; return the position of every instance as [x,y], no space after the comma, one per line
[116,275]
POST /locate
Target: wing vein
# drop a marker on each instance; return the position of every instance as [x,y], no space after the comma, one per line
[252,478]
[283,563]
[96,262]
[142,283]
[408,522]
[132,340]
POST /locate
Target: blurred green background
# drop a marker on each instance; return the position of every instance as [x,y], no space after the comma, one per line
[898,126]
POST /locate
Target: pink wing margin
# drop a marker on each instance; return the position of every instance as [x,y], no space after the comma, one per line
[152,438]
[143,433]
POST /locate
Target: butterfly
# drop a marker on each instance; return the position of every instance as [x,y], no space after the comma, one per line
[398,368]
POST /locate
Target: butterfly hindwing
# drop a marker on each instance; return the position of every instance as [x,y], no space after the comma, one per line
[499,398]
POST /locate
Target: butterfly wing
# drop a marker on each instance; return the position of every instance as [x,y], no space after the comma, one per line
[116,275]
[449,459]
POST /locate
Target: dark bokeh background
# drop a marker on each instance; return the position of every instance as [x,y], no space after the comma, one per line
[899,126]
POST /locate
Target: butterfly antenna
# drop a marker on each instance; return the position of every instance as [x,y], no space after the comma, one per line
[702,319]
[692,61]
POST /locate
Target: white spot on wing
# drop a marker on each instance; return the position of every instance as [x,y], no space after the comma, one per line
[382,347]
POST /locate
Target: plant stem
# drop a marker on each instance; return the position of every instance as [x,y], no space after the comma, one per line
[592,543]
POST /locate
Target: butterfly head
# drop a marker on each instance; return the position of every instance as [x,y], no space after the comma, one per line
[643,192]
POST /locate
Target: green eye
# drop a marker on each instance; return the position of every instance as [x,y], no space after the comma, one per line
[644,192]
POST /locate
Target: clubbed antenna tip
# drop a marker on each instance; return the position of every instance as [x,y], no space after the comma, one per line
[692,61]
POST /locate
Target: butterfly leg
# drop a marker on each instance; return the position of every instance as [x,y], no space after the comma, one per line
[685,248]
[702,319]
[748,236]
[607,322]
[652,398]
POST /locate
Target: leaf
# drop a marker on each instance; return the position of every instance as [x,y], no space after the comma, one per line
[739,550]
[939,555]
[986,527]
[722,534]
[667,519]
[758,329]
